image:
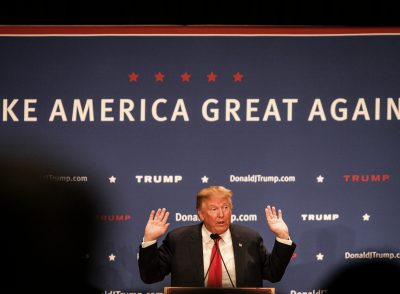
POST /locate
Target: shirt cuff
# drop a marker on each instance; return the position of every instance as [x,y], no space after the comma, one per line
[284,241]
[148,243]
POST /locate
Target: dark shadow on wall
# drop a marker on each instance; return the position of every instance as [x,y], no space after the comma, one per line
[372,276]
[48,228]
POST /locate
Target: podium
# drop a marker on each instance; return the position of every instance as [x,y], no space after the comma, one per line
[202,290]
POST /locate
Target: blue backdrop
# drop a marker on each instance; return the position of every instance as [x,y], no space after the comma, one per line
[309,124]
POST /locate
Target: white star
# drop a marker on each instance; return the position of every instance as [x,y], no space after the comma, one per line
[320,256]
[112,179]
[204,179]
[111,257]
[366,217]
[320,179]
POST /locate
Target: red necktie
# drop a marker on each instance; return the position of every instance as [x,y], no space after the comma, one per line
[215,274]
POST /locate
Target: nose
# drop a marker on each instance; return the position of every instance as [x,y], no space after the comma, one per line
[221,212]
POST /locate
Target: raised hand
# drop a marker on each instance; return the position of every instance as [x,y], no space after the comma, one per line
[157,225]
[276,223]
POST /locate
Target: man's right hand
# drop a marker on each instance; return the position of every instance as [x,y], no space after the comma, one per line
[157,225]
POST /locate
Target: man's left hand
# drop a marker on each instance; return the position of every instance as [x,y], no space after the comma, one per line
[276,223]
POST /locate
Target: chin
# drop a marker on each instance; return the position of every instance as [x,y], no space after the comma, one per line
[221,230]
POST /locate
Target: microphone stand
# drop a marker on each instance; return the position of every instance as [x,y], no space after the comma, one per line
[215,238]
[212,258]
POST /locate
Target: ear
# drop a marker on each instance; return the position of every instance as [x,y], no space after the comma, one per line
[200,214]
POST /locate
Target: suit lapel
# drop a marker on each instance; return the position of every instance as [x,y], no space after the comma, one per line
[195,253]
[239,254]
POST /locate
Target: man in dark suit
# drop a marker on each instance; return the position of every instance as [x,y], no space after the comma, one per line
[187,252]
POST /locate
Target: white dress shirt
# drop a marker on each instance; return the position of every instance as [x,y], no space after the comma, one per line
[226,248]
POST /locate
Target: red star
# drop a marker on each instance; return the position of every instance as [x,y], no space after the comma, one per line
[237,77]
[185,77]
[159,77]
[133,77]
[211,77]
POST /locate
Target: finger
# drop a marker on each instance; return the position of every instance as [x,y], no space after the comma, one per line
[273,212]
[158,214]
[280,214]
[151,217]
[268,212]
[164,220]
[162,214]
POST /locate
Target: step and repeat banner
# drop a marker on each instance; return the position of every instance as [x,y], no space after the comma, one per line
[299,119]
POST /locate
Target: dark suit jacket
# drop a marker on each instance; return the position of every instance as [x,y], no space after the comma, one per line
[181,254]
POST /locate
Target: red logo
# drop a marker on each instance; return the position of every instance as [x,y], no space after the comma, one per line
[366,178]
[113,217]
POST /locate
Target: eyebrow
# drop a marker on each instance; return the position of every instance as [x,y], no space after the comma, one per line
[212,205]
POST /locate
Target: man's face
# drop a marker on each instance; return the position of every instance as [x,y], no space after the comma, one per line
[216,214]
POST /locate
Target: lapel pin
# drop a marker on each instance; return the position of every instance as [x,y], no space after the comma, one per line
[240,245]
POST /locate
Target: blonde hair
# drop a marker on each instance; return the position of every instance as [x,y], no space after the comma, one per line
[213,191]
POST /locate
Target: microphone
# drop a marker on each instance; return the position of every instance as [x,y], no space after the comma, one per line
[215,237]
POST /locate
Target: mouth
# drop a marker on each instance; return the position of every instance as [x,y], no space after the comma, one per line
[220,223]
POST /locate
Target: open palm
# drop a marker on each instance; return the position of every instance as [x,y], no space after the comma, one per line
[276,223]
[156,225]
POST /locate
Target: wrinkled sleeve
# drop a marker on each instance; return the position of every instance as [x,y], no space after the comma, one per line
[155,263]
[274,264]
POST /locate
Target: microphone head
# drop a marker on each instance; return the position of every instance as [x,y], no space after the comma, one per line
[214,236]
